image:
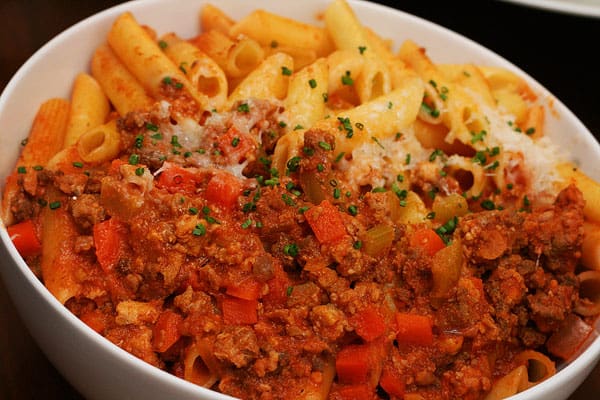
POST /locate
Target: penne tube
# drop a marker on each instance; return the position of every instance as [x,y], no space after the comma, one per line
[237,57]
[539,367]
[374,80]
[590,247]
[502,78]
[89,108]
[470,176]
[202,71]
[100,144]
[304,102]
[46,138]
[349,34]
[589,294]
[590,189]
[123,90]
[512,383]
[379,118]
[59,261]
[200,364]
[346,31]
[288,146]
[344,66]
[144,58]
[512,103]
[269,80]
[271,29]
[213,18]
[533,125]
[302,56]
[47,133]
[470,77]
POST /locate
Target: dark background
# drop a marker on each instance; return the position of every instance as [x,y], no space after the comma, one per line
[555,48]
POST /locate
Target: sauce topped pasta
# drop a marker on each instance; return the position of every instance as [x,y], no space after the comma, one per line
[277,210]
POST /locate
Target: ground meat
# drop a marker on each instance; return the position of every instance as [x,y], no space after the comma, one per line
[236,345]
[87,211]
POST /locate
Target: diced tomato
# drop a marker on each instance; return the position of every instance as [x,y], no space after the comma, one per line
[166,331]
[223,190]
[176,179]
[413,329]
[352,392]
[392,382]
[369,323]
[236,146]
[239,311]
[278,287]
[427,240]
[352,364]
[25,239]
[109,238]
[326,222]
[248,289]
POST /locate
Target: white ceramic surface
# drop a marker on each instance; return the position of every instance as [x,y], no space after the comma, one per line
[585,8]
[97,368]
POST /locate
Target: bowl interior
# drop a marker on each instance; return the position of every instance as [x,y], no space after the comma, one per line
[50,72]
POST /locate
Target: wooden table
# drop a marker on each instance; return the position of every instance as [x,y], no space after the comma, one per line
[554,48]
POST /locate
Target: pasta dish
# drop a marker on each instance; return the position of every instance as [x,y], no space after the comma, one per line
[279,210]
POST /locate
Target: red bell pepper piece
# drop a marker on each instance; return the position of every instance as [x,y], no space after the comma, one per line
[238,311]
[427,240]
[223,190]
[25,239]
[166,330]
[326,222]
[413,329]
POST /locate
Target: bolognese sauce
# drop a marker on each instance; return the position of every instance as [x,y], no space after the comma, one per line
[437,258]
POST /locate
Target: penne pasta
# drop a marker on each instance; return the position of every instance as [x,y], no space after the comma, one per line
[99,144]
[269,80]
[589,293]
[270,29]
[590,247]
[510,384]
[123,90]
[201,70]
[539,366]
[278,209]
[237,57]
[589,188]
[213,18]
[89,108]
[380,118]
[143,57]
[47,133]
[63,270]
[200,365]
[304,101]
[346,31]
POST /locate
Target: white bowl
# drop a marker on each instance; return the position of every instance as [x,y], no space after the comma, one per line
[96,367]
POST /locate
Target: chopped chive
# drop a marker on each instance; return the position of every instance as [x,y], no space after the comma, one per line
[134,159]
[325,146]
[346,79]
[199,230]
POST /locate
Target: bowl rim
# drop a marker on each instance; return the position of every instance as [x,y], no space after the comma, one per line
[569,372]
